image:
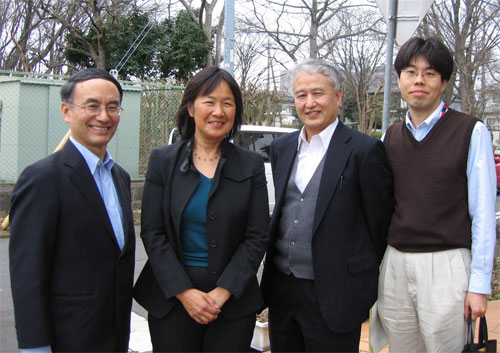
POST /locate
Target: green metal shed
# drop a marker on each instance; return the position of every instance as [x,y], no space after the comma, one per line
[31,125]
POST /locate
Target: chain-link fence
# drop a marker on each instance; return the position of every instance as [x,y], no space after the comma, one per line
[31,124]
[159,105]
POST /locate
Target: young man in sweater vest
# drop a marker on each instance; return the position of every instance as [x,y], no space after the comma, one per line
[437,267]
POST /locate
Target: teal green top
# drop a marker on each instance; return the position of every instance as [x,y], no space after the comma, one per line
[194,226]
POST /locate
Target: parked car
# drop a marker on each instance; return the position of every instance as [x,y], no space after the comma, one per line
[257,139]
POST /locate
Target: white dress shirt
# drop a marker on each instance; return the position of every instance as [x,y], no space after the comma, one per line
[310,154]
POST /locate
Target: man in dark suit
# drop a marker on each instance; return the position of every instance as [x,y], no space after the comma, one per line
[333,206]
[72,236]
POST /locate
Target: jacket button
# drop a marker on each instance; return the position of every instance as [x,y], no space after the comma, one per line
[213,244]
[214,271]
[212,216]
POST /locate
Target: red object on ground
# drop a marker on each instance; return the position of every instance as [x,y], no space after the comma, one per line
[497,167]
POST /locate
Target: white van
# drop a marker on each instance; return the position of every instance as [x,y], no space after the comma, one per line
[257,139]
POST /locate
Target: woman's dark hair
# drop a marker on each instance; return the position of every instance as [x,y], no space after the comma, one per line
[86,75]
[202,84]
[436,53]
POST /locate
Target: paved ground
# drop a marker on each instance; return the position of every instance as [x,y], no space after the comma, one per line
[8,341]
[139,332]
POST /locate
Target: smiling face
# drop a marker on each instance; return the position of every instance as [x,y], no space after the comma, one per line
[213,114]
[421,93]
[93,132]
[316,101]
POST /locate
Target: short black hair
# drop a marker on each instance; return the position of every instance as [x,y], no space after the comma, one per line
[204,83]
[86,75]
[436,53]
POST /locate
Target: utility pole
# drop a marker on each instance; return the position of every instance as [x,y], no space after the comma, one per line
[391,29]
[229,36]
[403,18]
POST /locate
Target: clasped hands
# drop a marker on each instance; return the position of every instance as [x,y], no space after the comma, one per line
[203,307]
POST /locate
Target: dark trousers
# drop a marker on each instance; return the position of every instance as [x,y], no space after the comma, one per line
[296,323]
[178,332]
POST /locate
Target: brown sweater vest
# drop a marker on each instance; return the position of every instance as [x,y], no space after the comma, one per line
[430,185]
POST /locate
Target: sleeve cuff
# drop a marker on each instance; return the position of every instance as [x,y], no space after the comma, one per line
[480,285]
[45,349]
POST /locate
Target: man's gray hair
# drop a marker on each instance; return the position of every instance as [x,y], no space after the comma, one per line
[311,66]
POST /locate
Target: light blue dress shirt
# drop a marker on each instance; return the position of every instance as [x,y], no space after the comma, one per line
[46,349]
[482,190]
[101,171]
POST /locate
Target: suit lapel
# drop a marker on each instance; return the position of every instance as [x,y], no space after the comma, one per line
[125,204]
[183,187]
[286,152]
[336,158]
[80,175]
[225,152]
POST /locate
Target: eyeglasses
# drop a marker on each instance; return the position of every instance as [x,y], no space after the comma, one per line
[93,109]
[428,75]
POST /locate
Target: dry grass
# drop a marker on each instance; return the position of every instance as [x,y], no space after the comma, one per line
[3,233]
[495,281]
[136,213]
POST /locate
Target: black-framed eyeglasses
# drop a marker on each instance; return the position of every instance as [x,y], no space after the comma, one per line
[428,75]
[94,109]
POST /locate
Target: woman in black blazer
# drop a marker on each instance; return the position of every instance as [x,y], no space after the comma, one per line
[204,226]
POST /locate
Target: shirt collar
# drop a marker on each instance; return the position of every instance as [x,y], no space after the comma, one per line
[91,159]
[430,121]
[324,136]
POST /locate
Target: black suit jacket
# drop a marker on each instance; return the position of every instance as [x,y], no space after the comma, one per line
[350,224]
[71,284]
[237,221]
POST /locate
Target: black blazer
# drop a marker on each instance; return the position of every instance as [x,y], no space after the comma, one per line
[71,284]
[350,224]
[237,220]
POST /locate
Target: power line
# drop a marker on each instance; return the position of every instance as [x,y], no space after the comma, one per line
[133,47]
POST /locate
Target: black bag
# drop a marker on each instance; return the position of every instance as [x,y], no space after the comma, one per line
[484,345]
